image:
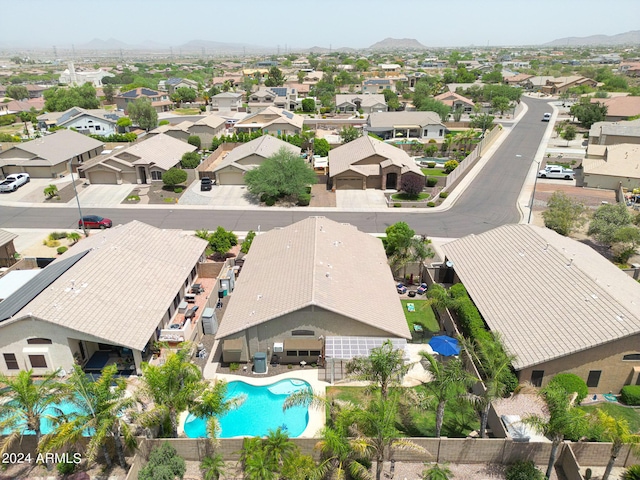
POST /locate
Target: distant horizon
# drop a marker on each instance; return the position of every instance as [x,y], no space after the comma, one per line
[283,25]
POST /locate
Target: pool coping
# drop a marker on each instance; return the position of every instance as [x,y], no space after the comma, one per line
[316,416]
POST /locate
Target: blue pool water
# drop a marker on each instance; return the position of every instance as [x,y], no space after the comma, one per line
[261,412]
[46,426]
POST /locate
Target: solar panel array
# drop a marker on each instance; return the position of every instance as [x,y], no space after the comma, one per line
[279,91]
[287,114]
[346,348]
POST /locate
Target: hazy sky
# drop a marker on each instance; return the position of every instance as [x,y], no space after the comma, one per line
[308,23]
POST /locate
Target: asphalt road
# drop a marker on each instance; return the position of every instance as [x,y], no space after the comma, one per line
[488,202]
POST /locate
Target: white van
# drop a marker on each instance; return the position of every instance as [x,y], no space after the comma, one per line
[546,117]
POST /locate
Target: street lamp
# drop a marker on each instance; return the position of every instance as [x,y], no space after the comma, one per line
[533,194]
[75,191]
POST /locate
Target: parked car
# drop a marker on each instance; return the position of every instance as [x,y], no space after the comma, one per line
[556,171]
[422,289]
[94,221]
[401,288]
[14,181]
[205,184]
[546,117]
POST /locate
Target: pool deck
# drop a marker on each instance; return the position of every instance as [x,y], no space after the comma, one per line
[316,416]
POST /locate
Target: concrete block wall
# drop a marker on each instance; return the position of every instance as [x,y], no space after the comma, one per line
[471,450]
[570,464]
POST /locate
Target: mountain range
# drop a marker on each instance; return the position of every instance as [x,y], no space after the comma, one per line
[627,38]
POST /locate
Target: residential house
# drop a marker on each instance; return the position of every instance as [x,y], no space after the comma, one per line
[456,101]
[631,69]
[174,83]
[74,77]
[51,156]
[618,165]
[612,133]
[558,305]
[35,91]
[18,106]
[229,168]
[232,79]
[322,318]
[555,86]
[104,301]
[353,103]
[271,120]
[390,67]
[142,162]
[207,128]
[394,125]
[619,107]
[279,97]
[377,85]
[7,250]
[518,79]
[226,101]
[179,131]
[536,83]
[159,100]
[89,122]
[369,163]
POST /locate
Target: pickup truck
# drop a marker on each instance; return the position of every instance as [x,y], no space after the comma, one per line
[556,171]
[14,181]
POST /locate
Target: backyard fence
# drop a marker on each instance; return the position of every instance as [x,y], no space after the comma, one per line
[474,156]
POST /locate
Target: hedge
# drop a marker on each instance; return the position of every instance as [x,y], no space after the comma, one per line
[630,395]
[571,383]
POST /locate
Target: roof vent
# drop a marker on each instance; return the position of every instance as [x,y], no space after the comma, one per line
[570,262]
[327,274]
[546,247]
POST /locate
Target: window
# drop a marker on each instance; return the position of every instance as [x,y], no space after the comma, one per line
[292,353]
[39,341]
[303,333]
[594,378]
[440,132]
[632,357]
[97,127]
[536,378]
[156,175]
[314,353]
[303,353]
[10,360]
[38,361]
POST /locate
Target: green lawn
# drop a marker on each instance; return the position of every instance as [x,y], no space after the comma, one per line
[434,172]
[459,418]
[422,316]
[405,197]
[631,415]
[187,111]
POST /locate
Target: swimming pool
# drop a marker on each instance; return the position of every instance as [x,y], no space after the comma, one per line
[46,426]
[261,412]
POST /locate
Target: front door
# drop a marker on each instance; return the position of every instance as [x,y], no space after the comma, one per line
[143,175]
[392,180]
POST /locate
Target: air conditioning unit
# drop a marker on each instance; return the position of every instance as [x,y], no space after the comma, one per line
[278,347]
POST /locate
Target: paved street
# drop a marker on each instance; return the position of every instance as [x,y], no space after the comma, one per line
[489,201]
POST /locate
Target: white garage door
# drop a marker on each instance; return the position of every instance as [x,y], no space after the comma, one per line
[231,178]
[349,184]
[100,177]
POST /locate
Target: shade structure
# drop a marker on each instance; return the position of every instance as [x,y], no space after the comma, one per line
[445,345]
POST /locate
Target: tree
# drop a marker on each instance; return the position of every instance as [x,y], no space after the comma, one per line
[437,472]
[51,191]
[282,174]
[481,120]
[607,220]
[492,77]
[588,113]
[569,133]
[59,99]
[101,405]
[164,464]
[190,160]
[142,113]
[308,105]
[564,420]
[398,238]
[428,104]
[412,185]
[563,214]
[124,123]
[184,94]
[500,104]
[449,380]
[212,467]
[383,367]
[457,113]
[17,92]
[349,134]
[278,446]
[246,244]
[391,98]
[616,431]
[28,403]
[321,147]
[109,91]
[74,237]
[450,166]
[275,78]
[222,240]
[174,176]
[195,141]
[362,65]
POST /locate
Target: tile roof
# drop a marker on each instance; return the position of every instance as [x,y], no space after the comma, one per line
[622,160]
[366,100]
[212,121]
[448,98]
[264,146]
[547,295]
[271,115]
[389,119]
[121,286]
[620,106]
[6,237]
[346,156]
[324,263]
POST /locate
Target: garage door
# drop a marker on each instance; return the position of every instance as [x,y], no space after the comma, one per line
[349,184]
[129,177]
[101,177]
[231,178]
[12,169]
[39,172]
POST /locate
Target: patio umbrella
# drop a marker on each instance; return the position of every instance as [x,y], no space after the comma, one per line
[444,345]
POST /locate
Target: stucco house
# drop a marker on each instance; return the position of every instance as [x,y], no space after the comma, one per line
[279,97]
[619,107]
[91,307]
[159,100]
[230,167]
[456,101]
[89,122]
[228,101]
[612,133]
[418,125]
[142,162]
[558,304]
[618,166]
[51,155]
[377,85]
[179,131]
[369,163]
[207,128]
[174,83]
[72,76]
[352,103]
[323,259]
[271,120]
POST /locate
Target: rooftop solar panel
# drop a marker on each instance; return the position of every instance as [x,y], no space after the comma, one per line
[346,348]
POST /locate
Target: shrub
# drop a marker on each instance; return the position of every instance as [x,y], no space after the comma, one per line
[62,249]
[443,194]
[51,243]
[432,182]
[632,473]
[397,205]
[7,120]
[133,198]
[190,160]
[195,141]
[164,463]
[163,122]
[177,190]
[304,199]
[246,244]
[571,383]
[431,164]
[270,201]
[57,235]
[523,470]
[431,204]
[450,166]
[174,176]
[630,395]
[66,468]
[234,367]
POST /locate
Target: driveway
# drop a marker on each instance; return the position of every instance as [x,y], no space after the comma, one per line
[103,195]
[219,195]
[356,199]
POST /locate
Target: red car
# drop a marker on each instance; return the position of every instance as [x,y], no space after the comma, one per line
[94,221]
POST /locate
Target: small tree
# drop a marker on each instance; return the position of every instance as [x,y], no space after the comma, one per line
[123,123]
[569,133]
[194,140]
[109,91]
[500,104]
[164,464]
[143,113]
[349,134]
[275,78]
[563,214]
[50,191]
[450,166]
[412,185]
[436,472]
[190,160]
[174,176]
[321,147]
[222,240]
[308,105]
[607,220]
[246,244]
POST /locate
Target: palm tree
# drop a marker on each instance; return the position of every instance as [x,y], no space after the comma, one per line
[437,472]
[278,446]
[616,431]
[74,237]
[211,404]
[256,462]
[213,467]
[28,404]
[101,406]
[448,380]
[340,455]
[563,420]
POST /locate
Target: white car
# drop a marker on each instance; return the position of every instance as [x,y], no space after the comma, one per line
[554,171]
[14,181]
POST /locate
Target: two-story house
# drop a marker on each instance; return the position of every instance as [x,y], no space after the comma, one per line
[159,100]
[279,97]
[89,122]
